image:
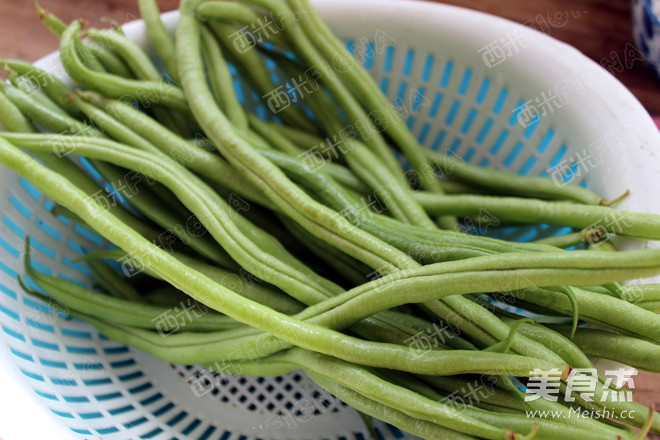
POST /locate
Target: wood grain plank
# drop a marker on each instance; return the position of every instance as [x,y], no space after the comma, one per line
[602,29]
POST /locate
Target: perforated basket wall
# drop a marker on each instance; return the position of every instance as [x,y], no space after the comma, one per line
[463,79]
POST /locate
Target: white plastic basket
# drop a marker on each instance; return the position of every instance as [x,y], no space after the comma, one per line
[462,76]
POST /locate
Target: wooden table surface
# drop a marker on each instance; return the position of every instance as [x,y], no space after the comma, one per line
[598,28]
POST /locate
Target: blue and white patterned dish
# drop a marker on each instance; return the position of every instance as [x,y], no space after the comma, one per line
[646,31]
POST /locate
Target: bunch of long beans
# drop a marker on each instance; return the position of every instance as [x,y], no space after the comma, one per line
[338,267]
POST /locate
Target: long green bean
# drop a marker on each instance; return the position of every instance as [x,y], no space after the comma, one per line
[385,184]
[143,69]
[203,162]
[547,429]
[148,92]
[637,225]
[13,120]
[29,87]
[599,309]
[509,183]
[253,69]
[106,57]
[160,38]
[23,169]
[127,312]
[314,217]
[635,293]
[49,83]
[631,351]
[423,429]
[221,81]
[110,281]
[651,306]
[362,84]
[239,281]
[55,121]
[229,302]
